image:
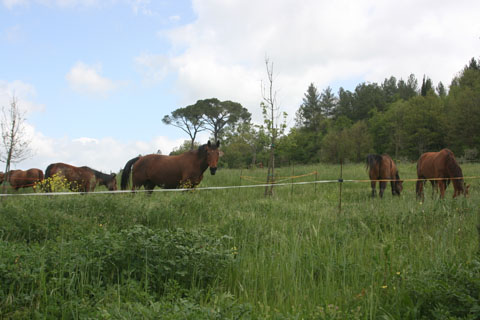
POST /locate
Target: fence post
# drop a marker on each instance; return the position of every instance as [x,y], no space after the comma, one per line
[241,170]
[293,173]
[341,182]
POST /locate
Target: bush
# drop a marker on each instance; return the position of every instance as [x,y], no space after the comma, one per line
[450,292]
[55,183]
[85,268]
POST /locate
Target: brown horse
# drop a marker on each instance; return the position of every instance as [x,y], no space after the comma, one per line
[382,167]
[443,167]
[171,172]
[83,179]
[24,179]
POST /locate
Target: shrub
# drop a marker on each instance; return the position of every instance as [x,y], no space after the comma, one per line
[55,183]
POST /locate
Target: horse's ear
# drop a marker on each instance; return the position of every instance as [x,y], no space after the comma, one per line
[209,144]
[218,143]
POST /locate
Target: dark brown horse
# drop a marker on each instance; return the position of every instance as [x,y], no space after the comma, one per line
[83,179]
[171,172]
[443,167]
[24,179]
[382,167]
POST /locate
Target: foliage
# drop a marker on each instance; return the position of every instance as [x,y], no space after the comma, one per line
[234,254]
[219,115]
[351,143]
[55,183]
[186,146]
[450,291]
[188,119]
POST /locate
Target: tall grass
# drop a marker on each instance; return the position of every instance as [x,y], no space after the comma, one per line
[236,254]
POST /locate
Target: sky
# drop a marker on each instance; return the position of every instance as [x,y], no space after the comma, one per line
[94,78]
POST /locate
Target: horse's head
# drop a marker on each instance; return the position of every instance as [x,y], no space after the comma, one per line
[212,156]
[463,190]
[112,183]
[398,184]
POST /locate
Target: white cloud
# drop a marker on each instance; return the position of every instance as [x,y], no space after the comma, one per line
[153,67]
[24,93]
[326,42]
[105,154]
[12,3]
[87,79]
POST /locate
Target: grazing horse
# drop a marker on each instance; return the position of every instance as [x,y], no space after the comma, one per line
[24,179]
[83,179]
[443,167]
[382,167]
[171,172]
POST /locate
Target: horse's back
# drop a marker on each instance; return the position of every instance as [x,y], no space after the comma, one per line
[434,164]
[162,170]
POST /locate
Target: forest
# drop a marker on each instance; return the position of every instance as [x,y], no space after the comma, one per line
[403,118]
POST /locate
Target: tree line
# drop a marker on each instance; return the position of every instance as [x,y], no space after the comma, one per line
[403,118]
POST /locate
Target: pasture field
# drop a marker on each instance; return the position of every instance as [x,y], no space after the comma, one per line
[234,254]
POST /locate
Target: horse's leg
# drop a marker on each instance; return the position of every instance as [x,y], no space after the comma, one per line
[392,185]
[441,185]
[419,189]
[374,187]
[383,185]
[149,186]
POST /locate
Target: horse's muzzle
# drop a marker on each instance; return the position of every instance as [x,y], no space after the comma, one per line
[213,170]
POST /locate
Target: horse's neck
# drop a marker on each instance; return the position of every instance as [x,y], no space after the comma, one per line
[199,161]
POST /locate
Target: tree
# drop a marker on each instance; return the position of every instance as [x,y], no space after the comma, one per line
[270,111]
[14,141]
[328,102]
[390,89]
[407,90]
[367,96]
[463,110]
[426,86]
[345,104]
[441,91]
[218,115]
[184,147]
[189,119]
[310,112]
[245,137]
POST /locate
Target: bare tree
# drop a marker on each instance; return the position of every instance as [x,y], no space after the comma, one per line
[271,115]
[15,145]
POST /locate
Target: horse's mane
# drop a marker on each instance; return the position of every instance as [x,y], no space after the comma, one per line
[202,150]
[372,159]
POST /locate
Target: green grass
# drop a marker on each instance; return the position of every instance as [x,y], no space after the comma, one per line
[234,254]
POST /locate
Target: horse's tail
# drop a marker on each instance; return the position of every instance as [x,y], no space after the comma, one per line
[126,173]
[48,174]
[48,171]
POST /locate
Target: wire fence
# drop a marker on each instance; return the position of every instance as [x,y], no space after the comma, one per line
[279,183]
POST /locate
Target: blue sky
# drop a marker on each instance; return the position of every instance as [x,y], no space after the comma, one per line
[95,78]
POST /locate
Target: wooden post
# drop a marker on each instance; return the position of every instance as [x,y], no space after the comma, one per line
[341,182]
[241,170]
[293,173]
